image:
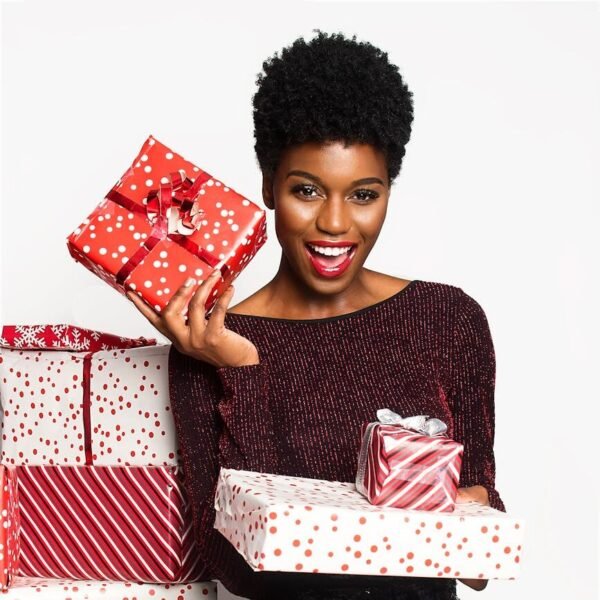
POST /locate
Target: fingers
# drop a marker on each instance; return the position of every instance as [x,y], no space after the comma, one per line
[173,315]
[216,322]
[197,306]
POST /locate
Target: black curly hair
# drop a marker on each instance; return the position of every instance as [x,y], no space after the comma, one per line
[331,89]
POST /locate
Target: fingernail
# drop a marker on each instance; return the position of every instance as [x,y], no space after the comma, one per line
[189,281]
[214,273]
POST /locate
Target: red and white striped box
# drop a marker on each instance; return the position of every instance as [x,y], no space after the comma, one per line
[297,524]
[9,526]
[106,523]
[30,588]
[74,396]
[408,463]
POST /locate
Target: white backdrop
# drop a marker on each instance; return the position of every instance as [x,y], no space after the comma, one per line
[498,194]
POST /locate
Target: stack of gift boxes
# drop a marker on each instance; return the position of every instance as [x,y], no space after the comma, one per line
[92,492]
[92,487]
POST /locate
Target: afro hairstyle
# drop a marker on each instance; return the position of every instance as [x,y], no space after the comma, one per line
[331,89]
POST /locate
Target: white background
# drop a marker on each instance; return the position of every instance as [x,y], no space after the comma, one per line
[498,194]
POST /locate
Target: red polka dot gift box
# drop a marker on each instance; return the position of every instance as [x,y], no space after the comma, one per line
[73,396]
[166,220]
[30,588]
[284,523]
[408,463]
[106,523]
[10,525]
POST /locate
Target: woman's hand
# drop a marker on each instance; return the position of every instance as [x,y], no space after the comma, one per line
[201,338]
[479,494]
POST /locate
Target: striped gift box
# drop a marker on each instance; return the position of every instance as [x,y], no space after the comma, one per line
[9,526]
[106,523]
[404,468]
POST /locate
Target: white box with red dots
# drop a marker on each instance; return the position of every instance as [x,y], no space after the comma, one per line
[70,589]
[75,403]
[281,523]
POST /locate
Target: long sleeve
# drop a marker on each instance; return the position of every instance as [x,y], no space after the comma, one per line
[244,409]
[218,423]
[471,397]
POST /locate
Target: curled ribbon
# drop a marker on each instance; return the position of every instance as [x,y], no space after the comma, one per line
[174,211]
[420,423]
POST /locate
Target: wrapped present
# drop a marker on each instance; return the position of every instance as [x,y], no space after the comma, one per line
[281,523]
[10,525]
[106,523]
[73,396]
[66,337]
[408,463]
[166,220]
[29,588]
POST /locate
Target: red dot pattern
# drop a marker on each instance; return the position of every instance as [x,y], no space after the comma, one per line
[42,407]
[473,541]
[34,587]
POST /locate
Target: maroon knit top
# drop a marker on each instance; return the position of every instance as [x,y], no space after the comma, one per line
[426,350]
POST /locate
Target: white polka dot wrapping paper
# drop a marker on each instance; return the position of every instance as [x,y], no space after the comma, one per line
[64,404]
[30,588]
[283,523]
[166,220]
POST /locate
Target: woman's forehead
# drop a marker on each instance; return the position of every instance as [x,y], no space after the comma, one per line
[334,160]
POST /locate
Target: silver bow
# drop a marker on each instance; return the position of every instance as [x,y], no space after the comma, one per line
[421,423]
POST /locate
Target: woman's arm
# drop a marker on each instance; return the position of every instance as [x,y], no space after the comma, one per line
[471,397]
[221,419]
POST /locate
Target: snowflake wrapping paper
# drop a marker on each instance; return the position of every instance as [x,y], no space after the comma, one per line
[281,523]
[70,405]
[106,523]
[31,588]
[166,220]
[401,468]
[10,526]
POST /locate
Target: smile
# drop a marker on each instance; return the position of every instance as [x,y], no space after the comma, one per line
[329,261]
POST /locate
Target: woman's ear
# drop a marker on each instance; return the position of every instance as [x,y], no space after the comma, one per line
[267,192]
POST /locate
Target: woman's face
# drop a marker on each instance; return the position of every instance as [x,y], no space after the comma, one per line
[328,193]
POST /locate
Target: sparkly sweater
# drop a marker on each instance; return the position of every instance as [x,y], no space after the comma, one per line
[426,350]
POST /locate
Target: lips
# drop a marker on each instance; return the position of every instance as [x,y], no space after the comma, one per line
[331,266]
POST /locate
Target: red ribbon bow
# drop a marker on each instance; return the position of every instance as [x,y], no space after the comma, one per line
[174,211]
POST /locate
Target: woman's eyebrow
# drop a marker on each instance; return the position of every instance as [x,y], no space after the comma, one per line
[308,175]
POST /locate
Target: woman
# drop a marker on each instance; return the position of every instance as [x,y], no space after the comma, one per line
[281,382]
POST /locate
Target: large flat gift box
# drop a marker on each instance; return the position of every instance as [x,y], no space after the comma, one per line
[32,588]
[166,220]
[74,396]
[106,523]
[281,523]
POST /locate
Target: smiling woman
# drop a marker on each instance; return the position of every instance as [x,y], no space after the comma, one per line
[282,382]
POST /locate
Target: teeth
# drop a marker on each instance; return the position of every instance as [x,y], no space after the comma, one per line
[329,251]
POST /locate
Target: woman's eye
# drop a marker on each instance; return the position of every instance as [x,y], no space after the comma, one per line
[302,188]
[370,195]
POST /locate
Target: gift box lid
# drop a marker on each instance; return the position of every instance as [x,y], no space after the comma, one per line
[66,337]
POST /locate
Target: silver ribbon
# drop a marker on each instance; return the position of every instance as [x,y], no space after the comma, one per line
[420,423]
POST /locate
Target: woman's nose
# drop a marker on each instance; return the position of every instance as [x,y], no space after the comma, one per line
[334,216]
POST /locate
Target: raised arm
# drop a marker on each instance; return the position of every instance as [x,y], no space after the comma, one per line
[471,397]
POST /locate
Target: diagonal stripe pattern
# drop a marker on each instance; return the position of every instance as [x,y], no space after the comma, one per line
[106,523]
[405,469]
